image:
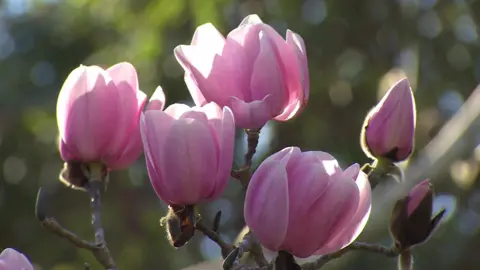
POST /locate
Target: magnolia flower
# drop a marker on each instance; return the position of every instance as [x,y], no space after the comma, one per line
[254,71]
[303,203]
[189,151]
[98,114]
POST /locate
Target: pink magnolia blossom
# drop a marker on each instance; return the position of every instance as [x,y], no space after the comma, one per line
[254,71]
[98,113]
[303,203]
[389,130]
[189,151]
[10,259]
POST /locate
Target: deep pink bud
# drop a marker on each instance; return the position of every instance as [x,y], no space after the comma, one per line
[188,151]
[411,222]
[418,194]
[10,259]
[389,128]
[303,203]
[254,71]
[98,113]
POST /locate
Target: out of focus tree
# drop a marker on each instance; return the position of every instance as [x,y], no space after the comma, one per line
[355,48]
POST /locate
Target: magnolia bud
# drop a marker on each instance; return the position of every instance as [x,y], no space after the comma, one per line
[389,128]
[411,222]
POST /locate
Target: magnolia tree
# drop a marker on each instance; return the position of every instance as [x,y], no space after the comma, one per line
[298,205]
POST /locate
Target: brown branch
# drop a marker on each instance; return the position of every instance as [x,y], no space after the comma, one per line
[95,189]
[99,248]
[243,174]
[374,248]
[215,237]
[251,244]
[98,251]
[252,141]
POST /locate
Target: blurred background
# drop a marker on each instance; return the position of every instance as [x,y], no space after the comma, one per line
[356,50]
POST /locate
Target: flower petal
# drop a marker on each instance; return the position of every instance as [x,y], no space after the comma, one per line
[208,38]
[176,110]
[296,42]
[251,19]
[226,140]
[14,260]
[124,72]
[359,219]
[154,125]
[157,101]
[189,161]
[266,204]
[267,76]
[334,210]
[251,115]
[85,123]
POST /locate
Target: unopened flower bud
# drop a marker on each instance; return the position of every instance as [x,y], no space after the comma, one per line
[389,128]
[411,222]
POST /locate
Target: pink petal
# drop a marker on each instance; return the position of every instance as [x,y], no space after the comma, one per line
[132,148]
[417,194]
[251,19]
[124,72]
[13,259]
[290,111]
[267,76]
[65,151]
[126,131]
[225,135]
[358,220]
[290,70]
[244,44]
[195,92]
[154,125]
[308,182]
[334,209]
[266,204]
[251,115]
[86,124]
[208,37]
[352,171]
[196,113]
[189,162]
[297,44]
[287,152]
[176,110]
[157,101]
[214,74]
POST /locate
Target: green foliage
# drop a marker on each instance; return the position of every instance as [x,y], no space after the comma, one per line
[353,47]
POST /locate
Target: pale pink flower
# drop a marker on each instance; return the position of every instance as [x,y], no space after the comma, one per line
[254,71]
[303,203]
[188,151]
[98,114]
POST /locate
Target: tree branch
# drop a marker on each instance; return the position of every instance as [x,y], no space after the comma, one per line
[243,174]
[215,237]
[51,224]
[95,189]
[389,252]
